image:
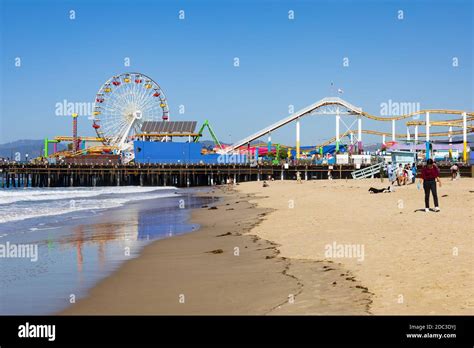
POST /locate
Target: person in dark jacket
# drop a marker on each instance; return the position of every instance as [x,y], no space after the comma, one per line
[429,177]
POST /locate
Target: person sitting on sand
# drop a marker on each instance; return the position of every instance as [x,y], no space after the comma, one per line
[429,177]
[265,184]
[409,174]
[401,179]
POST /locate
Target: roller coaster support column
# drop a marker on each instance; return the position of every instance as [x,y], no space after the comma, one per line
[464,136]
[269,147]
[408,134]
[297,139]
[427,140]
[393,130]
[416,135]
[450,137]
[337,130]
[383,138]
[359,134]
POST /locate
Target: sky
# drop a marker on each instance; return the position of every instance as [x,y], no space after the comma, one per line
[375,51]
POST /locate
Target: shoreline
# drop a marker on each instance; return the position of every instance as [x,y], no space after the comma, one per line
[223,268]
[77,249]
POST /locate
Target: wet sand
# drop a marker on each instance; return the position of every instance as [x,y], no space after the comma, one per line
[223,268]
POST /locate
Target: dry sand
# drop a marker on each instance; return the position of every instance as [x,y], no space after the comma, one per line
[414,262]
[202,267]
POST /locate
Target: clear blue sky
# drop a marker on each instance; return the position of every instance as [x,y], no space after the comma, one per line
[282,61]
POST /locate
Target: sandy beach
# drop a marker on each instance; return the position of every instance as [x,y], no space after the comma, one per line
[203,273]
[264,250]
[414,262]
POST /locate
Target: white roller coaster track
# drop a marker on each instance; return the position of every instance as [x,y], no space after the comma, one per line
[293,117]
[346,109]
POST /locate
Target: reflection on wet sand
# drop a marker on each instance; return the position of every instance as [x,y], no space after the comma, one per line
[77,253]
[99,235]
[129,229]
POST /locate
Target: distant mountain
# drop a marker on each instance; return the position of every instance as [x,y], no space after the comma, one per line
[371,147]
[209,144]
[33,148]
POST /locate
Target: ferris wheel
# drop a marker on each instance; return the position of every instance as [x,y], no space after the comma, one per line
[121,106]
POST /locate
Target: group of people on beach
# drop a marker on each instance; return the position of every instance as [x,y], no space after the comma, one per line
[402,174]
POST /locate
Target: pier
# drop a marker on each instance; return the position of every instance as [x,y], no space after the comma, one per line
[182,175]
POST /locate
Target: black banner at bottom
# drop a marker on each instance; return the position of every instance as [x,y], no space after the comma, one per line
[221,330]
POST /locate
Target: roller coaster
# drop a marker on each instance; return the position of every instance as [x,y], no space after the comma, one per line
[337,106]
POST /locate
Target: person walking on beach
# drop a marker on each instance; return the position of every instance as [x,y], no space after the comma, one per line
[298,177]
[330,172]
[454,171]
[429,177]
[390,173]
[414,172]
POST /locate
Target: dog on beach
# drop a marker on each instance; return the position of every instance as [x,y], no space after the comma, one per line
[384,190]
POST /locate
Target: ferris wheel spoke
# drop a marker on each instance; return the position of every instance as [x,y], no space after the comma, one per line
[137,128]
[111,109]
[120,132]
[125,96]
[119,97]
[115,108]
[138,96]
[113,127]
[133,92]
[150,103]
[149,107]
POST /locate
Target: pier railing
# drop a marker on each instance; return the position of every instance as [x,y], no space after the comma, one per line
[29,175]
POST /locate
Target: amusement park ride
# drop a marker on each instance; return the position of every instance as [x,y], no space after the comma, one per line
[125,102]
[337,106]
[122,105]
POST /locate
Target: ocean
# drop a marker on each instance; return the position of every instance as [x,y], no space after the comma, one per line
[57,243]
